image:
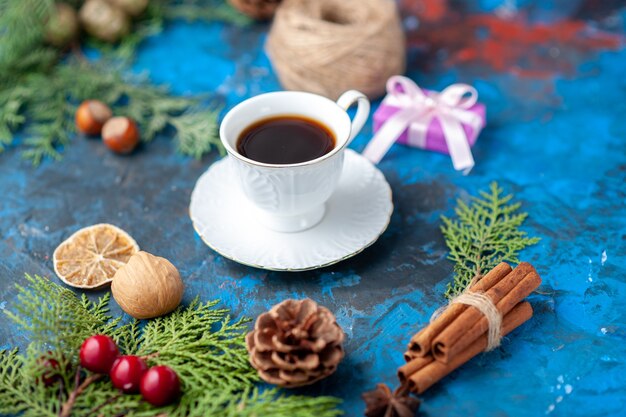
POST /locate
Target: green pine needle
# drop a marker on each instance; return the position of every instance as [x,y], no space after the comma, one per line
[200,342]
[485,233]
[197,132]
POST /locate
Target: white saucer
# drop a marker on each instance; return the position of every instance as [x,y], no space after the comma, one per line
[357,213]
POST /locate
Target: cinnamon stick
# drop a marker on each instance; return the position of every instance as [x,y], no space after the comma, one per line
[434,371]
[409,355]
[470,316]
[420,344]
[518,293]
[409,368]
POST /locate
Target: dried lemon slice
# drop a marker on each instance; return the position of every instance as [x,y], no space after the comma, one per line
[91,257]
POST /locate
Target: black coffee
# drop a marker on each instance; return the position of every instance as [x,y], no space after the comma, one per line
[285,140]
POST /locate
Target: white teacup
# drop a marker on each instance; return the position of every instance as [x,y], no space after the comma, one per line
[291,197]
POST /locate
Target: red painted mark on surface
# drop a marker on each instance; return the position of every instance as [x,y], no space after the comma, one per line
[516,46]
[427,10]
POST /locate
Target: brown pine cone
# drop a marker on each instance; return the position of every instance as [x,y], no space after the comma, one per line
[256,9]
[296,343]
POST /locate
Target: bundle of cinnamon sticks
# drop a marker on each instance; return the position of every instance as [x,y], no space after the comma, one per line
[460,332]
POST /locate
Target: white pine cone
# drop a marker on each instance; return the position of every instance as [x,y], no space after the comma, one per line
[296,343]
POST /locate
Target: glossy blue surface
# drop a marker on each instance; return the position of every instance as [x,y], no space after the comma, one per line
[558,142]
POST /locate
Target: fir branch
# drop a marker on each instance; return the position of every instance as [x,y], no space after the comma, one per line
[20,391]
[21,36]
[48,104]
[256,403]
[40,91]
[182,342]
[128,337]
[158,13]
[55,317]
[197,132]
[485,233]
[193,10]
[11,118]
[200,342]
[22,45]
[11,378]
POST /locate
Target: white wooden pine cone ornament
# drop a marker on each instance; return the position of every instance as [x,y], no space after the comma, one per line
[296,343]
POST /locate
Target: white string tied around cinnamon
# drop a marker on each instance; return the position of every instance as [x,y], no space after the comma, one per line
[483,304]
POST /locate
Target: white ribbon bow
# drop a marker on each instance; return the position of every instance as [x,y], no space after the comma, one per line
[417,112]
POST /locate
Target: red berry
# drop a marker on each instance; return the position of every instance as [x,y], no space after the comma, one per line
[126,373]
[98,353]
[51,375]
[160,385]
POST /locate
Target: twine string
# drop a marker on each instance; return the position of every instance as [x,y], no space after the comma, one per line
[483,304]
[330,46]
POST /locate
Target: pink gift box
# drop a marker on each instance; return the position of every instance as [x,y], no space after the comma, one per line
[435,141]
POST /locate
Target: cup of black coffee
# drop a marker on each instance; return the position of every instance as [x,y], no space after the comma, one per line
[286,150]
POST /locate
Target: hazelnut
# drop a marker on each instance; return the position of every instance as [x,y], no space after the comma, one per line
[91,116]
[147,286]
[104,20]
[120,134]
[61,25]
[132,8]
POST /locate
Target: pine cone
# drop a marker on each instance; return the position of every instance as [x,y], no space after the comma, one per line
[296,343]
[256,9]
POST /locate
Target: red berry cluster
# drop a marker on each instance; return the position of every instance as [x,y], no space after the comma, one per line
[158,385]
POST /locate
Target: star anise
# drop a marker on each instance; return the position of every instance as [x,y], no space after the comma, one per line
[381,402]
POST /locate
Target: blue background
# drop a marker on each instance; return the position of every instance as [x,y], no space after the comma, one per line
[557,141]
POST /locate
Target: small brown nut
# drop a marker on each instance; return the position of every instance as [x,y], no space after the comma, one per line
[91,116]
[104,20]
[120,134]
[132,8]
[147,286]
[61,25]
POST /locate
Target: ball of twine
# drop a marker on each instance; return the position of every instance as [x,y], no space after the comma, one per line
[330,46]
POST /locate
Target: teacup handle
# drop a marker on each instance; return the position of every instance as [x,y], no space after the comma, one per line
[346,100]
